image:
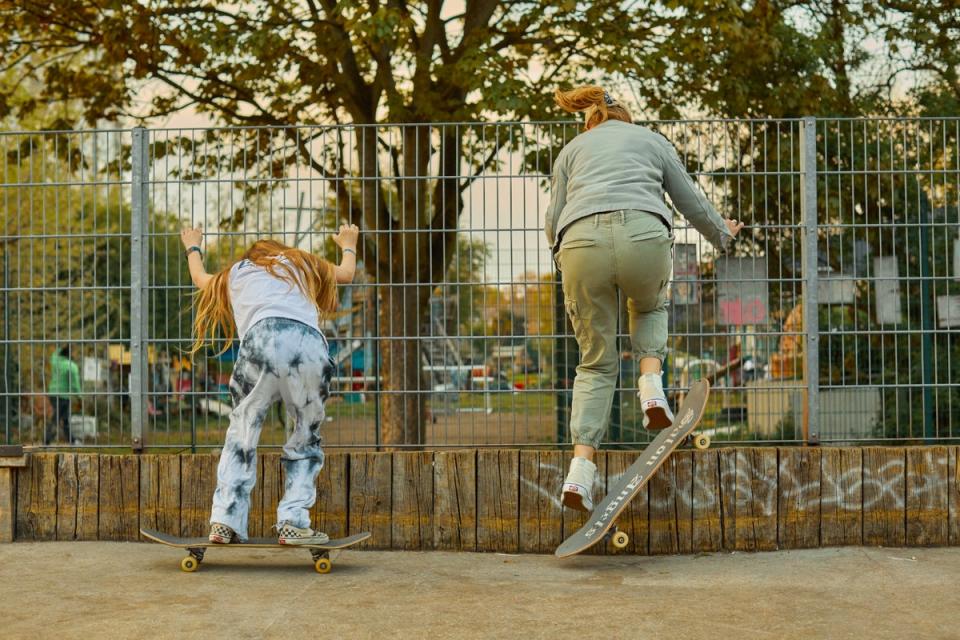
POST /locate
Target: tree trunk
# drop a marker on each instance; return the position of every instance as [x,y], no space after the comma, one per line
[414,246]
[403,309]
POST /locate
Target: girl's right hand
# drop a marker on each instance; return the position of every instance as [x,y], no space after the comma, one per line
[733,226]
[191,237]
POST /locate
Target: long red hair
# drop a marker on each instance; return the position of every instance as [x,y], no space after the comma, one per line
[590,98]
[315,277]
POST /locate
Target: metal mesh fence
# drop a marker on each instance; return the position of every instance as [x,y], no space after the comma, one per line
[830,321]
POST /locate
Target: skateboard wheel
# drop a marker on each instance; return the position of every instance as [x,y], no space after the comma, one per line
[323,565]
[701,441]
[621,539]
[189,564]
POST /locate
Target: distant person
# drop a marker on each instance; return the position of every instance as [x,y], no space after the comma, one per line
[271,298]
[64,387]
[610,231]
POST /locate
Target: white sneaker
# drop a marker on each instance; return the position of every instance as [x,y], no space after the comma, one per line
[578,487]
[653,402]
[289,534]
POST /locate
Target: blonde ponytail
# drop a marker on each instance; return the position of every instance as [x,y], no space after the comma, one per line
[594,101]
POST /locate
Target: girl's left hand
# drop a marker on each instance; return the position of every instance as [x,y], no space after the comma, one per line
[346,238]
[191,237]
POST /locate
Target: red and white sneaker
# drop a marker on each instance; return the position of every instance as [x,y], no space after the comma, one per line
[221,533]
[578,487]
[653,402]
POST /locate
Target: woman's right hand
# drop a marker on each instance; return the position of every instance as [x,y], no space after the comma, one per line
[733,226]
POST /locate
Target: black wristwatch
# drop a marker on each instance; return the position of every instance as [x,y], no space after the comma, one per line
[192,249]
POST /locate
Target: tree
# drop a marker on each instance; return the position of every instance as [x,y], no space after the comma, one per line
[924,40]
[278,63]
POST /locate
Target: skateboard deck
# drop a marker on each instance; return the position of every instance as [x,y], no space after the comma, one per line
[198,546]
[638,474]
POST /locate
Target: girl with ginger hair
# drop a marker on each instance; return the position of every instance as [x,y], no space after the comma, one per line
[611,232]
[274,296]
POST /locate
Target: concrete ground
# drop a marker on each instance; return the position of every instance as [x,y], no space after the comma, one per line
[127,590]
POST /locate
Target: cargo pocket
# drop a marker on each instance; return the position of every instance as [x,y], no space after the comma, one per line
[579,329]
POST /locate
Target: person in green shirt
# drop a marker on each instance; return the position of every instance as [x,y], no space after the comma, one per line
[64,385]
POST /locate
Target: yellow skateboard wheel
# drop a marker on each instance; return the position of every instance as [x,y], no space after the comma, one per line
[189,564]
[621,540]
[323,565]
[701,441]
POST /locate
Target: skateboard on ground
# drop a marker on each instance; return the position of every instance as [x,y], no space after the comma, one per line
[196,547]
[601,525]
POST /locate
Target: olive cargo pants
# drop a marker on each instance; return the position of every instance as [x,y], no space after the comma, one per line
[626,251]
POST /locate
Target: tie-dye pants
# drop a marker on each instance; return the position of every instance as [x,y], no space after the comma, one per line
[278,359]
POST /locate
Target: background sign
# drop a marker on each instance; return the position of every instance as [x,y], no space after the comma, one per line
[742,294]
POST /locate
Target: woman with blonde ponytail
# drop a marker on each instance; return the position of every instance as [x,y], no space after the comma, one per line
[611,233]
[271,299]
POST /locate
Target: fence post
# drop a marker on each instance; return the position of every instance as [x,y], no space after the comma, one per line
[139,276]
[809,261]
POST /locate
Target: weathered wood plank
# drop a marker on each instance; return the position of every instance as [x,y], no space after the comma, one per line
[411,519]
[841,496]
[370,497]
[119,498]
[755,502]
[727,460]
[953,496]
[455,500]
[259,522]
[541,514]
[67,489]
[706,513]
[664,501]
[37,498]
[198,479]
[88,496]
[168,494]
[330,510]
[884,488]
[8,501]
[271,484]
[927,499]
[498,504]
[149,490]
[683,483]
[798,514]
[635,518]
[573,520]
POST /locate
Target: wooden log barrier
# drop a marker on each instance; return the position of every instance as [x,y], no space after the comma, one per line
[507,500]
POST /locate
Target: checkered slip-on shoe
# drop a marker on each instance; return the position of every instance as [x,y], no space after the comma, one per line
[289,534]
[221,534]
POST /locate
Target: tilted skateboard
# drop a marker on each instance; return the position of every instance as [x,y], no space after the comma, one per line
[196,547]
[603,517]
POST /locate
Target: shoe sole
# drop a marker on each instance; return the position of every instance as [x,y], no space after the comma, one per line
[574,501]
[219,540]
[657,419]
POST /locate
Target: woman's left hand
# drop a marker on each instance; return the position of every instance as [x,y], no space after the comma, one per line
[191,237]
[733,226]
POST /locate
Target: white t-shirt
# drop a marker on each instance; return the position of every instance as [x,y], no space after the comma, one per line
[255,295]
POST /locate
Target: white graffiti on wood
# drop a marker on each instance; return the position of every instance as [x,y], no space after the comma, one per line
[853,489]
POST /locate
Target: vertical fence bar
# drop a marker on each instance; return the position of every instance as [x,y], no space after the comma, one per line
[139,296]
[808,212]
